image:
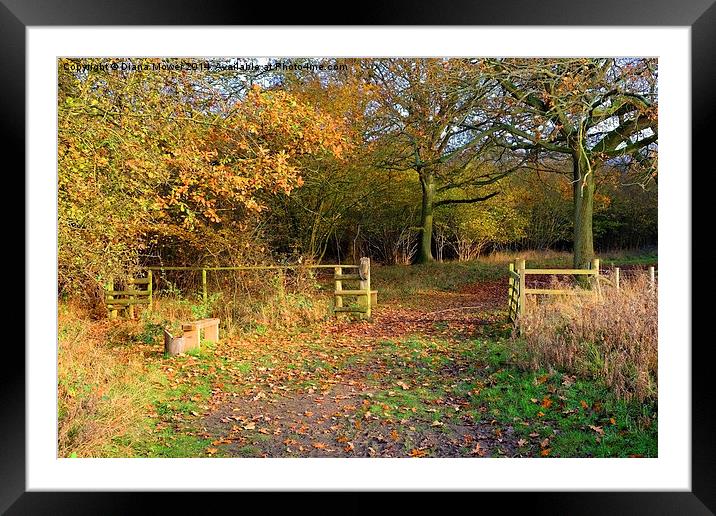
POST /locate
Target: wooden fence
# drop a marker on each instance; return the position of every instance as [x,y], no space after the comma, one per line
[517,278]
[517,290]
[366,297]
[125,300]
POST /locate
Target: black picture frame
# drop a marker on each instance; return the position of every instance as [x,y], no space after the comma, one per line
[700,15]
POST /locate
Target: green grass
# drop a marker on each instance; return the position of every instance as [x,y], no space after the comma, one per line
[579,418]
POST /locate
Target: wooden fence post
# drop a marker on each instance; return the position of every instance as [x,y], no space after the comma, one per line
[338,302]
[203,285]
[595,266]
[510,289]
[616,277]
[364,272]
[149,287]
[130,306]
[652,277]
[521,271]
[112,312]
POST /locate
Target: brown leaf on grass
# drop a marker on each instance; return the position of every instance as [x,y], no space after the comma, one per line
[250,426]
[546,402]
[583,404]
[417,452]
[597,429]
[212,451]
[320,446]
[403,385]
[348,447]
[521,442]
[545,452]
[544,443]
[394,435]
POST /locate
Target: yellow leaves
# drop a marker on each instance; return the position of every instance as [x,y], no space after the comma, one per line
[418,452]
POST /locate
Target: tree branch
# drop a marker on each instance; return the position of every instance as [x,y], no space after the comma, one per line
[464,201]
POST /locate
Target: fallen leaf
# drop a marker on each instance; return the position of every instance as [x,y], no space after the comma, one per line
[403,385]
[544,443]
[597,429]
[521,442]
[545,452]
[583,404]
[478,450]
[546,402]
[415,452]
[250,426]
[212,451]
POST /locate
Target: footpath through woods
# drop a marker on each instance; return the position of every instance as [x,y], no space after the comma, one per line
[398,385]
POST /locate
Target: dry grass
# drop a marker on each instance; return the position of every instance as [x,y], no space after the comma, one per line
[104,391]
[612,336]
[249,298]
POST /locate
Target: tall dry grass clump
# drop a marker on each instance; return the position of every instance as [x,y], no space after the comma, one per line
[611,336]
[104,392]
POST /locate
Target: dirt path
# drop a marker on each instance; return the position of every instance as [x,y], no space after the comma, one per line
[396,386]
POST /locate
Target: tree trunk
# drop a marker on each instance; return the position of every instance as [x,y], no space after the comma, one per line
[583,191]
[425,253]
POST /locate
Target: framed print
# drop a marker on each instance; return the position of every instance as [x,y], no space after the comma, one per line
[271,252]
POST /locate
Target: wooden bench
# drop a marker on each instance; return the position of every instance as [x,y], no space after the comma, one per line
[191,337]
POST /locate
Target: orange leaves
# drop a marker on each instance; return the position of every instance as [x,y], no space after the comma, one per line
[418,452]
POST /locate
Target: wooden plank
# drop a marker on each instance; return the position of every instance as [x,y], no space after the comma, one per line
[126,293]
[351,293]
[557,291]
[590,272]
[349,309]
[514,275]
[248,267]
[337,300]
[522,290]
[120,302]
[138,281]
[339,277]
